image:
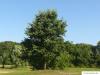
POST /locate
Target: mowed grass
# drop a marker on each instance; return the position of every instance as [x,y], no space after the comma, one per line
[26,71]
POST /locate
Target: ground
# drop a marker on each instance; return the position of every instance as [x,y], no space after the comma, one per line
[25,71]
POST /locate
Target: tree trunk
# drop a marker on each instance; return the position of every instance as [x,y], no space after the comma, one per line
[45,66]
[3,65]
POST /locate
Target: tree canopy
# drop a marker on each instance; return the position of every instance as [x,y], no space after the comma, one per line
[45,35]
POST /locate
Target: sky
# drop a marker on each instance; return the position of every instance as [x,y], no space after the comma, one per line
[82,17]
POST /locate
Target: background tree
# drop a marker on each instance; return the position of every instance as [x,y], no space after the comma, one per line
[97,54]
[83,54]
[10,53]
[70,48]
[5,48]
[15,55]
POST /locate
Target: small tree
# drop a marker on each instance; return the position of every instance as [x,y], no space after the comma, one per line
[15,55]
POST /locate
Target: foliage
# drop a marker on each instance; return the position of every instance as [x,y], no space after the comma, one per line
[45,48]
[44,35]
[10,53]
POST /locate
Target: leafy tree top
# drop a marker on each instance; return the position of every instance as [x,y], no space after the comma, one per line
[46,25]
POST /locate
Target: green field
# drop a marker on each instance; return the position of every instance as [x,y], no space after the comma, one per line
[68,71]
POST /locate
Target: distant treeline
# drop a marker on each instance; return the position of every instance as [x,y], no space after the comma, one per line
[70,55]
[45,48]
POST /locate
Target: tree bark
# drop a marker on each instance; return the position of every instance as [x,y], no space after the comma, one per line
[3,65]
[45,66]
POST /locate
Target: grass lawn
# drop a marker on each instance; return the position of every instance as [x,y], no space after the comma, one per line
[25,71]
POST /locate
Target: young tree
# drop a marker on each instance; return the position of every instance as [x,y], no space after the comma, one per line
[43,36]
[15,55]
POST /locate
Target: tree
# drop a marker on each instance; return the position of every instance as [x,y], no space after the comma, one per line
[43,36]
[10,53]
[15,55]
[70,48]
[83,55]
[5,48]
[97,54]
[62,61]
